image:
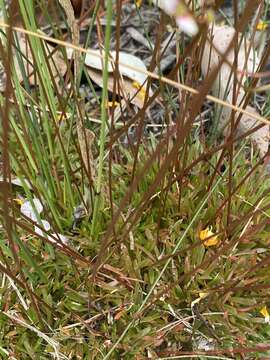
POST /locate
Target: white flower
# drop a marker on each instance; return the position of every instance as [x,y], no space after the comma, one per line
[52,238]
[45,225]
[177,9]
[63,238]
[30,211]
[187,24]
[205,344]
[169,6]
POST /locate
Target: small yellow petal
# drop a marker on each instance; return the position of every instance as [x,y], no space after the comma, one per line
[141,92]
[138,3]
[111,104]
[207,233]
[19,201]
[60,117]
[262,25]
[210,16]
[136,85]
[181,10]
[265,313]
[203,295]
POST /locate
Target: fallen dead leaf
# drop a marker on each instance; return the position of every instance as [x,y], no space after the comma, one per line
[127,88]
[218,42]
[247,61]
[56,62]
[132,70]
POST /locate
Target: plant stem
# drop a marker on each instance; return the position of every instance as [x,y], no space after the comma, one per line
[103,116]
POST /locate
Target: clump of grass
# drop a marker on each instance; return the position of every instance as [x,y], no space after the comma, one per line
[135,279]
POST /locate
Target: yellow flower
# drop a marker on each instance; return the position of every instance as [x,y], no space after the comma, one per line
[111,104]
[210,16]
[266,315]
[141,90]
[207,233]
[138,3]
[203,295]
[61,116]
[262,25]
[19,201]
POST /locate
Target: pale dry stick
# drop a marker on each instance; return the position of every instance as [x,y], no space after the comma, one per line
[117,112]
[145,72]
[15,288]
[202,356]
[184,321]
[252,205]
[131,237]
[247,224]
[250,219]
[262,88]
[98,316]
[53,343]
[67,115]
